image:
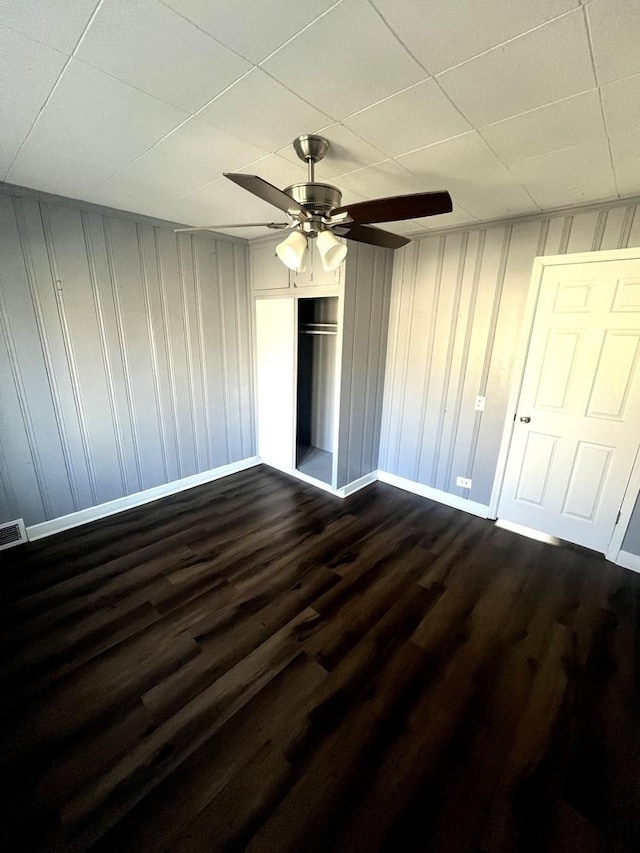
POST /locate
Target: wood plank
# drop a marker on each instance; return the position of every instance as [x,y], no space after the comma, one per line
[256,665]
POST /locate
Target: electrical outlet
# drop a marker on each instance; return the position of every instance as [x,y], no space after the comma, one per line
[480,402]
[463,482]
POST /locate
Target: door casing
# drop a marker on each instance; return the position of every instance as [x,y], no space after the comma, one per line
[633,484]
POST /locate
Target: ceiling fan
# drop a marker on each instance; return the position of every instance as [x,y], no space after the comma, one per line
[314,210]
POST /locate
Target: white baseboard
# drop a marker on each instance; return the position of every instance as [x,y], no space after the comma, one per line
[342,492]
[358,484]
[438,495]
[628,561]
[94,513]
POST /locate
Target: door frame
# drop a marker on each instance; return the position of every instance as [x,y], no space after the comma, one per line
[633,484]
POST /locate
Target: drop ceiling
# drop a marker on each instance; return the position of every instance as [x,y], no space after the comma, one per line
[513,106]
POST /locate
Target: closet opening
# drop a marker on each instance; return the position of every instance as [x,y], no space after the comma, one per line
[316,386]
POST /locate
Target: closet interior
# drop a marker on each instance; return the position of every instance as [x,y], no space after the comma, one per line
[316,386]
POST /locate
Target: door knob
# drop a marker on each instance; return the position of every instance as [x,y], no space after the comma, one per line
[525,419]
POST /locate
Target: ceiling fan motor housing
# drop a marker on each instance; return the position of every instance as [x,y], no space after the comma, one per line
[318,199]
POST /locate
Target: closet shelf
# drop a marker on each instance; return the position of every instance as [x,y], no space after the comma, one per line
[318,329]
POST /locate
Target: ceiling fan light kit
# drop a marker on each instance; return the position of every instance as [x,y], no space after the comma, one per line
[293,251]
[332,251]
[314,210]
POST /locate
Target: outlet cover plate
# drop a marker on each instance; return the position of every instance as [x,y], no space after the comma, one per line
[463,482]
[480,404]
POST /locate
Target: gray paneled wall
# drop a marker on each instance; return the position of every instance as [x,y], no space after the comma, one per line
[125,358]
[632,539]
[455,318]
[366,317]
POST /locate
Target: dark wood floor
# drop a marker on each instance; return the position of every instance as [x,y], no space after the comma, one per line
[254,664]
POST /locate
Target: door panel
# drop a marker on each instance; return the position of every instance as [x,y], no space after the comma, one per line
[568,467]
[587,479]
[615,375]
[557,366]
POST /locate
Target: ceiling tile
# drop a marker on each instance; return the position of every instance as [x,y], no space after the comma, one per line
[277,171]
[58,23]
[271,24]
[260,110]
[159,171]
[199,142]
[29,71]
[150,203]
[472,173]
[615,34]
[223,201]
[347,152]
[625,150]
[546,65]
[382,180]
[441,35]
[569,122]
[78,140]
[496,198]
[150,47]
[574,175]
[621,102]
[360,60]
[411,119]
[467,156]
[458,216]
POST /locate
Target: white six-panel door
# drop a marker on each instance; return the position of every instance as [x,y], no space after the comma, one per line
[568,466]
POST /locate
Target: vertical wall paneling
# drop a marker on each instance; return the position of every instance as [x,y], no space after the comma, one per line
[124,356]
[204,388]
[133,339]
[364,337]
[222,338]
[104,348]
[147,274]
[389,424]
[243,329]
[231,361]
[187,294]
[18,425]
[160,238]
[376,420]
[632,539]
[213,354]
[8,500]
[468,382]
[456,312]
[634,229]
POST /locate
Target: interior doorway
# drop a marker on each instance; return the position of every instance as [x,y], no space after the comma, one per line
[569,454]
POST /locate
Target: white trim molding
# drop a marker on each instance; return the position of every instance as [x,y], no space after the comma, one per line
[342,492]
[628,561]
[356,485]
[438,495]
[94,513]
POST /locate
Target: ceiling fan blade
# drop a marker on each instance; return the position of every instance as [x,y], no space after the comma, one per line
[396,207]
[372,236]
[277,225]
[267,192]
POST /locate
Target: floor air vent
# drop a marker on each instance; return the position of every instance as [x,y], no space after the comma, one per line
[12,533]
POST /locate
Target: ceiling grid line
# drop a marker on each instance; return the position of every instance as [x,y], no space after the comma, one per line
[602,109]
[55,85]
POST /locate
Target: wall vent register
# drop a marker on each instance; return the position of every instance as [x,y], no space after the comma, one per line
[12,533]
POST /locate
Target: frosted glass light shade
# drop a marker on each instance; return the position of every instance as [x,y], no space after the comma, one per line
[293,251]
[332,251]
